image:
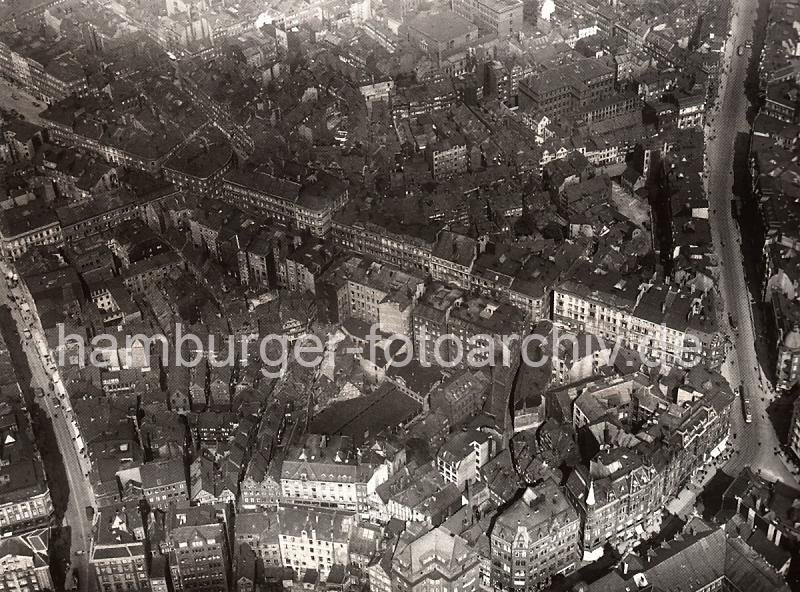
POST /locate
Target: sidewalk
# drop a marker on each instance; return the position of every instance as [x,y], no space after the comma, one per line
[683,505]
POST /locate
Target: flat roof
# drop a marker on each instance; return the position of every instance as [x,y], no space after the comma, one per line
[442,26]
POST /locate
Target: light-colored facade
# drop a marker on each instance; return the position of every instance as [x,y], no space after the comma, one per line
[325,473]
[23,568]
[659,323]
[381,294]
[535,538]
[438,560]
[310,206]
[317,539]
[503,17]
[118,552]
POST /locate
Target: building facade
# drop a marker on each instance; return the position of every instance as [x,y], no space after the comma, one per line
[535,538]
[503,17]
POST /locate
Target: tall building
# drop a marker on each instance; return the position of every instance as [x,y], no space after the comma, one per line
[535,538]
[48,73]
[118,552]
[24,564]
[441,32]
[617,509]
[437,560]
[374,292]
[24,495]
[315,539]
[462,456]
[325,472]
[400,237]
[199,555]
[163,482]
[503,17]
[309,205]
[672,431]
[565,89]
[672,325]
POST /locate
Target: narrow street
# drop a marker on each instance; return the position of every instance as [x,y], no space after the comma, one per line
[56,404]
[754,443]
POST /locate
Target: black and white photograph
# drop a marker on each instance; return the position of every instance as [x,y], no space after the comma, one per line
[399,295]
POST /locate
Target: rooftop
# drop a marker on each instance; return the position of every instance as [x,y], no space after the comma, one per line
[539,510]
[442,26]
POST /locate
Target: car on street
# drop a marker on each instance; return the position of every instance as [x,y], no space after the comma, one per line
[747,408]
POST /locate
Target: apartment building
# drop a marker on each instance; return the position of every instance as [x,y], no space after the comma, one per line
[22,139]
[261,486]
[794,428]
[534,539]
[440,32]
[23,227]
[395,235]
[484,326]
[306,264]
[566,89]
[691,112]
[261,532]
[461,457]
[620,493]
[164,482]
[662,323]
[109,209]
[309,204]
[448,157]
[61,132]
[146,273]
[452,258]
[432,316]
[24,564]
[431,96]
[47,74]
[118,551]
[503,17]
[197,545]
[314,540]
[325,472]
[24,495]
[438,559]
[610,107]
[621,508]
[461,396]
[781,101]
[787,317]
[201,164]
[378,293]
